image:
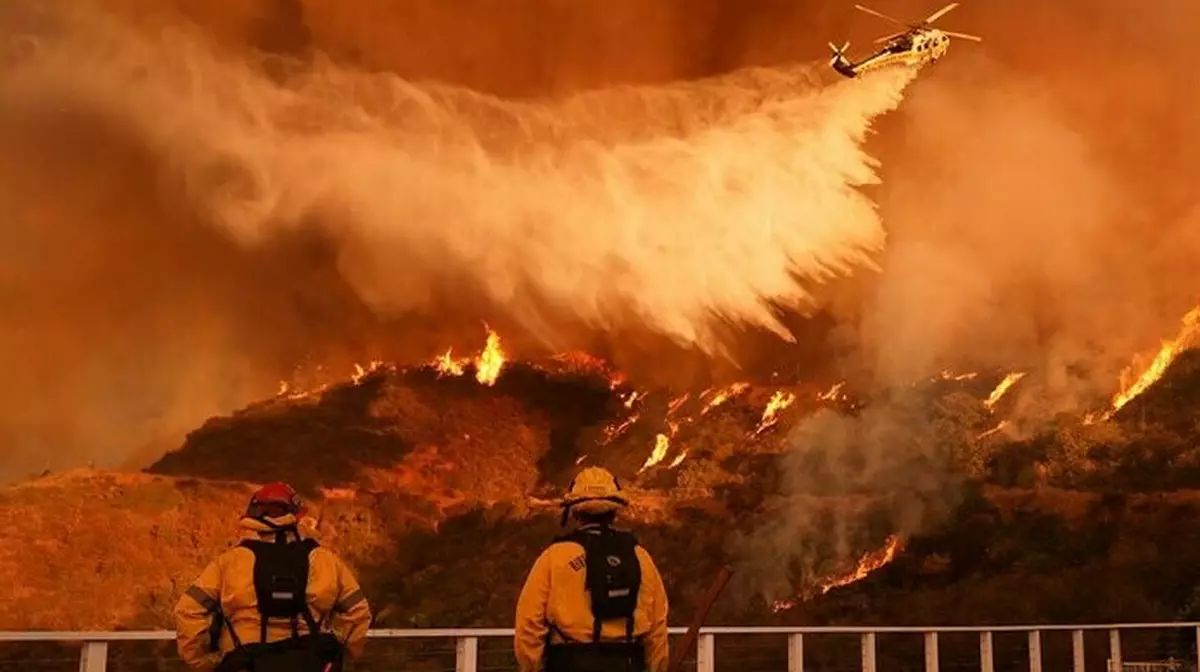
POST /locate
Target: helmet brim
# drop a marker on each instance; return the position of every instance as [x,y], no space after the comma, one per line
[596,504]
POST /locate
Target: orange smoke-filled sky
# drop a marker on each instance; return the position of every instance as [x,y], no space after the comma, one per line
[1037,198]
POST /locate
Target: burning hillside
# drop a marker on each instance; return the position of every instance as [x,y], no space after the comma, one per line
[850,378]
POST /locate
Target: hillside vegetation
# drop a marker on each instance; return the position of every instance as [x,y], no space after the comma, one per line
[439,490]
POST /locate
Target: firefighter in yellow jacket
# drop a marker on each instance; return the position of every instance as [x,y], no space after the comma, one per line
[594,601]
[263,600]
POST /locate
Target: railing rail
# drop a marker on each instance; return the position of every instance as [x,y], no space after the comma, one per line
[94,654]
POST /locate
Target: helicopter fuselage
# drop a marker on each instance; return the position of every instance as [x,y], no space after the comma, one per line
[913,48]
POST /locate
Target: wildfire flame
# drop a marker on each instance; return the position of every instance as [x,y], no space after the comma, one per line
[662,443]
[870,562]
[998,428]
[1130,388]
[1009,380]
[490,361]
[679,459]
[723,395]
[613,431]
[447,365]
[950,375]
[360,372]
[834,393]
[779,401]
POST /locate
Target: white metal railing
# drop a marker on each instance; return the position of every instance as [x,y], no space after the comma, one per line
[94,654]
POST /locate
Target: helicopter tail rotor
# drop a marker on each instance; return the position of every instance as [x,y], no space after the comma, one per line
[839,55]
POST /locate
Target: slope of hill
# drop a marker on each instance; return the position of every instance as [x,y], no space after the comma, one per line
[439,490]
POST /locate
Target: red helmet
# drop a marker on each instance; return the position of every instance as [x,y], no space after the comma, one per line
[275,500]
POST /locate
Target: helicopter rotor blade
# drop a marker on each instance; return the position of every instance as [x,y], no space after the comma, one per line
[881,15]
[940,13]
[886,38]
[963,36]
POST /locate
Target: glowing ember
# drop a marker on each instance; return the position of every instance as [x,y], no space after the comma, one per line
[1009,380]
[998,428]
[490,361]
[632,397]
[1130,388]
[724,395]
[676,403]
[447,365]
[834,393]
[337,493]
[949,375]
[679,460]
[779,401]
[581,459]
[613,431]
[869,563]
[360,372]
[661,444]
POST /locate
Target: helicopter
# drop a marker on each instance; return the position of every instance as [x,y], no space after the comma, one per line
[917,44]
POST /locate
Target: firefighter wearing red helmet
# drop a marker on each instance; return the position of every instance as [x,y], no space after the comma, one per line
[276,601]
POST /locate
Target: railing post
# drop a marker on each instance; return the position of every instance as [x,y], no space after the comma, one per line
[931,652]
[1035,651]
[868,652]
[705,661]
[1198,647]
[1077,651]
[1114,650]
[466,654]
[986,657]
[796,653]
[93,657]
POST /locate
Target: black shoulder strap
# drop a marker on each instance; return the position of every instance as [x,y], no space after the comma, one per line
[267,552]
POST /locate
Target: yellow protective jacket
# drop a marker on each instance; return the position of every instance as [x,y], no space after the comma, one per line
[334,597]
[556,593]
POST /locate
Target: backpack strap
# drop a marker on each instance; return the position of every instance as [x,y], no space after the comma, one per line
[306,545]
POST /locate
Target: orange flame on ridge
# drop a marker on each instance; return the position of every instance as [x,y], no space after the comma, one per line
[490,361]
[1131,388]
[869,563]
[1009,380]
[779,401]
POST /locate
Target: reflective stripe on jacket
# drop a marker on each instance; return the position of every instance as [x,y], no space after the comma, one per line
[334,598]
[555,592]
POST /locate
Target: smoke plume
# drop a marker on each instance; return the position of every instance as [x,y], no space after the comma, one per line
[201,173]
[1037,221]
